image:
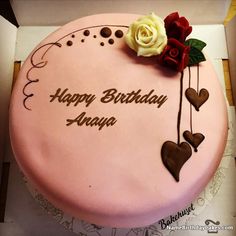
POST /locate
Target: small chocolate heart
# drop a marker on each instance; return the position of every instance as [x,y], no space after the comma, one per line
[174,156]
[196,99]
[194,139]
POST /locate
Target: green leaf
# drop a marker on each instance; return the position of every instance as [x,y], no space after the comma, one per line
[196,43]
[195,56]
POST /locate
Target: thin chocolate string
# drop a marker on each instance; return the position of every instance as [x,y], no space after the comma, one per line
[180,107]
[191,112]
[189,75]
[198,79]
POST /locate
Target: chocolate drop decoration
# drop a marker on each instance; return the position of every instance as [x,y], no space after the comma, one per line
[119,34]
[194,139]
[197,100]
[105,32]
[69,43]
[86,33]
[111,41]
[174,156]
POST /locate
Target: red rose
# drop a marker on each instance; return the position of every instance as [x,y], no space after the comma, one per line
[175,55]
[177,27]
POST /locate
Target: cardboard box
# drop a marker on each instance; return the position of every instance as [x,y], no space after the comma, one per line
[23,215]
[230,37]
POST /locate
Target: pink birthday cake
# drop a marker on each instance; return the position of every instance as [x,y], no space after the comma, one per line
[119,119]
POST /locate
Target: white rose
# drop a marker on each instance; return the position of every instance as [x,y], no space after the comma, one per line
[147,36]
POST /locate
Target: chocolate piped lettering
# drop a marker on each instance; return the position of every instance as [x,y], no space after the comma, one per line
[64,97]
[112,95]
[82,119]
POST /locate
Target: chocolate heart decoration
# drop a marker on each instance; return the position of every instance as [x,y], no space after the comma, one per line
[174,156]
[196,99]
[193,139]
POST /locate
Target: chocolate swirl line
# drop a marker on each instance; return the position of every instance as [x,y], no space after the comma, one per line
[43,63]
[34,65]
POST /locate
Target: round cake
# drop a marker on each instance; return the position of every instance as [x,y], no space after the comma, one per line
[114,138]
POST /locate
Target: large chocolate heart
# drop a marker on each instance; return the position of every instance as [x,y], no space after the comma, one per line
[193,139]
[196,99]
[174,156]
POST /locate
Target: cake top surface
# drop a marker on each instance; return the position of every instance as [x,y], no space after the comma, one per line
[111,137]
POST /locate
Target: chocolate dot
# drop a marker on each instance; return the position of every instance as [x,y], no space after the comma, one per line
[105,32]
[69,43]
[111,41]
[72,36]
[95,36]
[119,34]
[86,33]
[82,40]
[102,44]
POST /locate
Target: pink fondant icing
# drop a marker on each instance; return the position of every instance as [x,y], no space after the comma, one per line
[114,176]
